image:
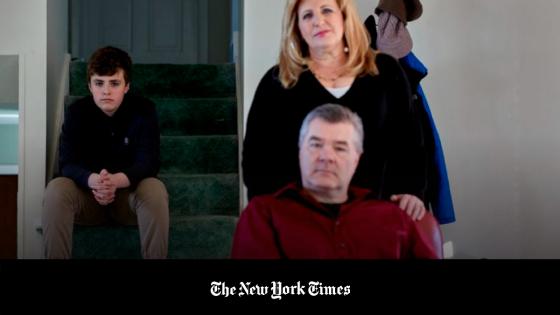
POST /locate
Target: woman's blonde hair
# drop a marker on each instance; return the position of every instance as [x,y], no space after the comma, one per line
[294,52]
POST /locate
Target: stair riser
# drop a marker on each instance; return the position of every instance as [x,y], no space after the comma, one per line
[168,81]
[180,117]
[199,155]
[197,117]
[194,238]
[203,195]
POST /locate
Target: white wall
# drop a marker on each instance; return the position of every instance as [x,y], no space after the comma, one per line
[492,87]
[492,90]
[23,31]
[262,20]
[473,49]
[538,109]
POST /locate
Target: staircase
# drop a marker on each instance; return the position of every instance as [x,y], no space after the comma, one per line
[197,111]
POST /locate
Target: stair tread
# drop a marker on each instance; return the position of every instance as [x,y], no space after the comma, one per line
[207,175]
[194,237]
[178,219]
[200,137]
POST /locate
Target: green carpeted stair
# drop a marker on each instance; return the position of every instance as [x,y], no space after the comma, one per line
[197,112]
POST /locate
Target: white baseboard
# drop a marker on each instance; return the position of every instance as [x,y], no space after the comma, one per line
[448,250]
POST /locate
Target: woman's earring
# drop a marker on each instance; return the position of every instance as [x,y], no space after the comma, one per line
[346,49]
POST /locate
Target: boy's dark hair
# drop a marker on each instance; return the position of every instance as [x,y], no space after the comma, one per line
[107,61]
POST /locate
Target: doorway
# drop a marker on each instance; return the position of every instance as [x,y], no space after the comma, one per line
[156,31]
[9,142]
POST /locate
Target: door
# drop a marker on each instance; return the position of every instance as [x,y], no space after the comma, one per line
[153,31]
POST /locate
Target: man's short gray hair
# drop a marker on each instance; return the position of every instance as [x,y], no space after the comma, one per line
[334,113]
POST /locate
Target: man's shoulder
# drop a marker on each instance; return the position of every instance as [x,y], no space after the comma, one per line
[381,208]
[263,199]
[381,205]
[388,210]
[278,199]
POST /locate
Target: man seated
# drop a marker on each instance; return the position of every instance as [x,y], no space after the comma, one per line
[323,217]
[109,158]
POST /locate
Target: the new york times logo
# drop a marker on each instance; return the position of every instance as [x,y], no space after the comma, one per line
[276,290]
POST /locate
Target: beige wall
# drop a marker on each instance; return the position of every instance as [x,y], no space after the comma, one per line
[538,143]
[261,41]
[472,50]
[493,85]
[23,31]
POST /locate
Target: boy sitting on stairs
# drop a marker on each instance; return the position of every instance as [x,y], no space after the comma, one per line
[108,159]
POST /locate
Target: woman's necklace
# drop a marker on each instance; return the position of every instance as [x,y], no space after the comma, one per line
[330,79]
[322,78]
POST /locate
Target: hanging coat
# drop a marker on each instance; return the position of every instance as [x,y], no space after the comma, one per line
[439,193]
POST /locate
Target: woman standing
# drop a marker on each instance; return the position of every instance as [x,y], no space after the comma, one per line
[326,58]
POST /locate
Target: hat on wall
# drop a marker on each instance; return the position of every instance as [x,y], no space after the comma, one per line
[405,10]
